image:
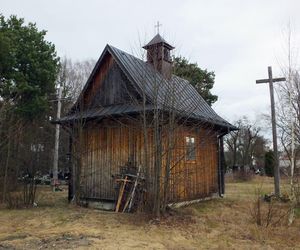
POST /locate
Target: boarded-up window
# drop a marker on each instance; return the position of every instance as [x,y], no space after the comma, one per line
[190,148]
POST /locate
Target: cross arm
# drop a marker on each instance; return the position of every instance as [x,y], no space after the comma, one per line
[262,81]
[280,79]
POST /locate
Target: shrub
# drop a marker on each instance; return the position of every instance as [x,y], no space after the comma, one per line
[243,175]
[22,194]
[268,212]
[14,200]
[297,192]
[269,163]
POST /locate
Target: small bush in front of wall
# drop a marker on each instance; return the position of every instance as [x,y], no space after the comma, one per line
[267,211]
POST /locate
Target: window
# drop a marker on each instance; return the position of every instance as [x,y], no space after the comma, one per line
[190,148]
[167,56]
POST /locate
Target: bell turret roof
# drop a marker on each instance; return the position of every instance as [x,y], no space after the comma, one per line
[157,39]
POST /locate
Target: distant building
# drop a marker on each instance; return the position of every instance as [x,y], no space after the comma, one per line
[285,164]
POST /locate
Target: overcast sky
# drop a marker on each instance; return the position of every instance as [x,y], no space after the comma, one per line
[236,39]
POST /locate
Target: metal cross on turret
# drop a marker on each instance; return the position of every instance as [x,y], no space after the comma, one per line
[157,26]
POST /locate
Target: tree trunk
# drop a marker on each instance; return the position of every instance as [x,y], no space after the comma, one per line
[157,166]
[6,168]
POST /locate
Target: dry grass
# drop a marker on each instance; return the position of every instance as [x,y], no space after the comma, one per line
[216,224]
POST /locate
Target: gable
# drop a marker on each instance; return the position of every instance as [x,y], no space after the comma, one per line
[109,86]
[94,82]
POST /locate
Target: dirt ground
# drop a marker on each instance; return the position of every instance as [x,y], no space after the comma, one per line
[216,224]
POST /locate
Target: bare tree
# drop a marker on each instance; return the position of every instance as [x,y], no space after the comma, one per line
[288,110]
[246,146]
[73,75]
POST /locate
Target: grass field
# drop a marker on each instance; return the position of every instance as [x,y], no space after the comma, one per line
[216,224]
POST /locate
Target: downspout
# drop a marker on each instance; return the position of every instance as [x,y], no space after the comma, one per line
[70,166]
[221,182]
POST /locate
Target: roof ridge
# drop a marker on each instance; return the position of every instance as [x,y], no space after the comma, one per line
[145,77]
[122,51]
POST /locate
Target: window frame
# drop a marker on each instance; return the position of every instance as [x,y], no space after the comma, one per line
[190,148]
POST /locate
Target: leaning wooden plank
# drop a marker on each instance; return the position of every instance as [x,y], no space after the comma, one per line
[134,188]
[123,184]
[127,201]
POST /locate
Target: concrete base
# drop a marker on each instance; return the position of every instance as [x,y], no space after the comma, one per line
[186,203]
[110,205]
[101,205]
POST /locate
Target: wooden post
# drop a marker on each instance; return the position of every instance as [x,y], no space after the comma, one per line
[56,146]
[274,133]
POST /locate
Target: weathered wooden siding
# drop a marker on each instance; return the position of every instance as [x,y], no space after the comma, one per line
[110,145]
[110,86]
[93,88]
[106,148]
[197,178]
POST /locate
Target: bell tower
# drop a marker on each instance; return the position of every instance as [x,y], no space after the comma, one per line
[158,55]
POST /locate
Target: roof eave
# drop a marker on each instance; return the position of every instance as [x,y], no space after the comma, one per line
[147,46]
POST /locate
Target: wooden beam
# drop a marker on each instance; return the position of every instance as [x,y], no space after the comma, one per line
[280,79]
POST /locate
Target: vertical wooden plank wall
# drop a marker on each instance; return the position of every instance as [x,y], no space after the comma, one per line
[194,179]
[107,147]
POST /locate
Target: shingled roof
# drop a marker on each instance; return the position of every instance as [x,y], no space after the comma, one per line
[176,93]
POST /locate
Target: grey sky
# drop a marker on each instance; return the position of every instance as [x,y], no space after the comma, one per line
[236,39]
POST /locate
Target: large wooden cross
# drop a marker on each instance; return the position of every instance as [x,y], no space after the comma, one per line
[157,26]
[270,80]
